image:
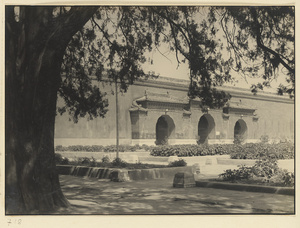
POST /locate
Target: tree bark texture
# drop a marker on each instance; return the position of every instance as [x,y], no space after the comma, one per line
[34,49]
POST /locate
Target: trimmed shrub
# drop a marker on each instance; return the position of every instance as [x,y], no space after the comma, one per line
[60,160]
[118,162]
[178,163]
[189,150]
[283,150]
[87,161]
[105,159]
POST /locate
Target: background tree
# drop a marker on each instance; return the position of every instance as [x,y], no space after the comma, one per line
[61,50]
[261,43]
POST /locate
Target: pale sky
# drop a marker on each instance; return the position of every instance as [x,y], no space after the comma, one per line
[166,66]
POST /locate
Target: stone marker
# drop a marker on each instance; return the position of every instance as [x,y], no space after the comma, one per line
[184,180]
[196,168]
[119,176]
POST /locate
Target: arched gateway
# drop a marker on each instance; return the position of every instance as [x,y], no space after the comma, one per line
[165,129]
[240,130]
[206,127]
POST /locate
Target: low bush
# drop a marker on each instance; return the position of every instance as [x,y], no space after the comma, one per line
[118,162]
[105,159]
[265,170]
[60,160]
[178,163]
[266,167]
[283,176]
[87,161]
[243,173]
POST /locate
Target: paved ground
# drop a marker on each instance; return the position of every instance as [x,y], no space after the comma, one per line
[93,196]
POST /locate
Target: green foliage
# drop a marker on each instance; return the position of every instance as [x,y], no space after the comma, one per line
[238,139]
[260,41]
[105,162]
[283,150]
[60,160]
[189,150]
[266,167]
[87,161]
[283,176]
[264,170]
[105,159]
[99,148]
[118,162]
[178,163]
[264,138]
[112,47]
[243,173]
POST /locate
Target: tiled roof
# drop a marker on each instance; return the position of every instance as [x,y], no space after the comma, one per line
[165,98]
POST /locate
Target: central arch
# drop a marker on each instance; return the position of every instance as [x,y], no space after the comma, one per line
[240,130]
[165,129]
[206,127]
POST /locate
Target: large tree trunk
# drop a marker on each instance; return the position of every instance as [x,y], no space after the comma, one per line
[34,51]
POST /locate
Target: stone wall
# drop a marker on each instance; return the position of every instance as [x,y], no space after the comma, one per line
[274,116]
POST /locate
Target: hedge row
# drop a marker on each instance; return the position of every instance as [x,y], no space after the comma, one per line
[190,150]
[99,148]
[283,150]
[247,151]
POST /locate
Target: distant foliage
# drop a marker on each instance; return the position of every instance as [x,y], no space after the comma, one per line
[283,150]
[264,138]
[99,148]
[239,139]
[189,150]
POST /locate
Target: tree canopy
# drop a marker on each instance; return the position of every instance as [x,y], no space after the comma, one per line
[262,38]
[113,44]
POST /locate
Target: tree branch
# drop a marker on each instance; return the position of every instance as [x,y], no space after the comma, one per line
[66,25]
[265,48]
